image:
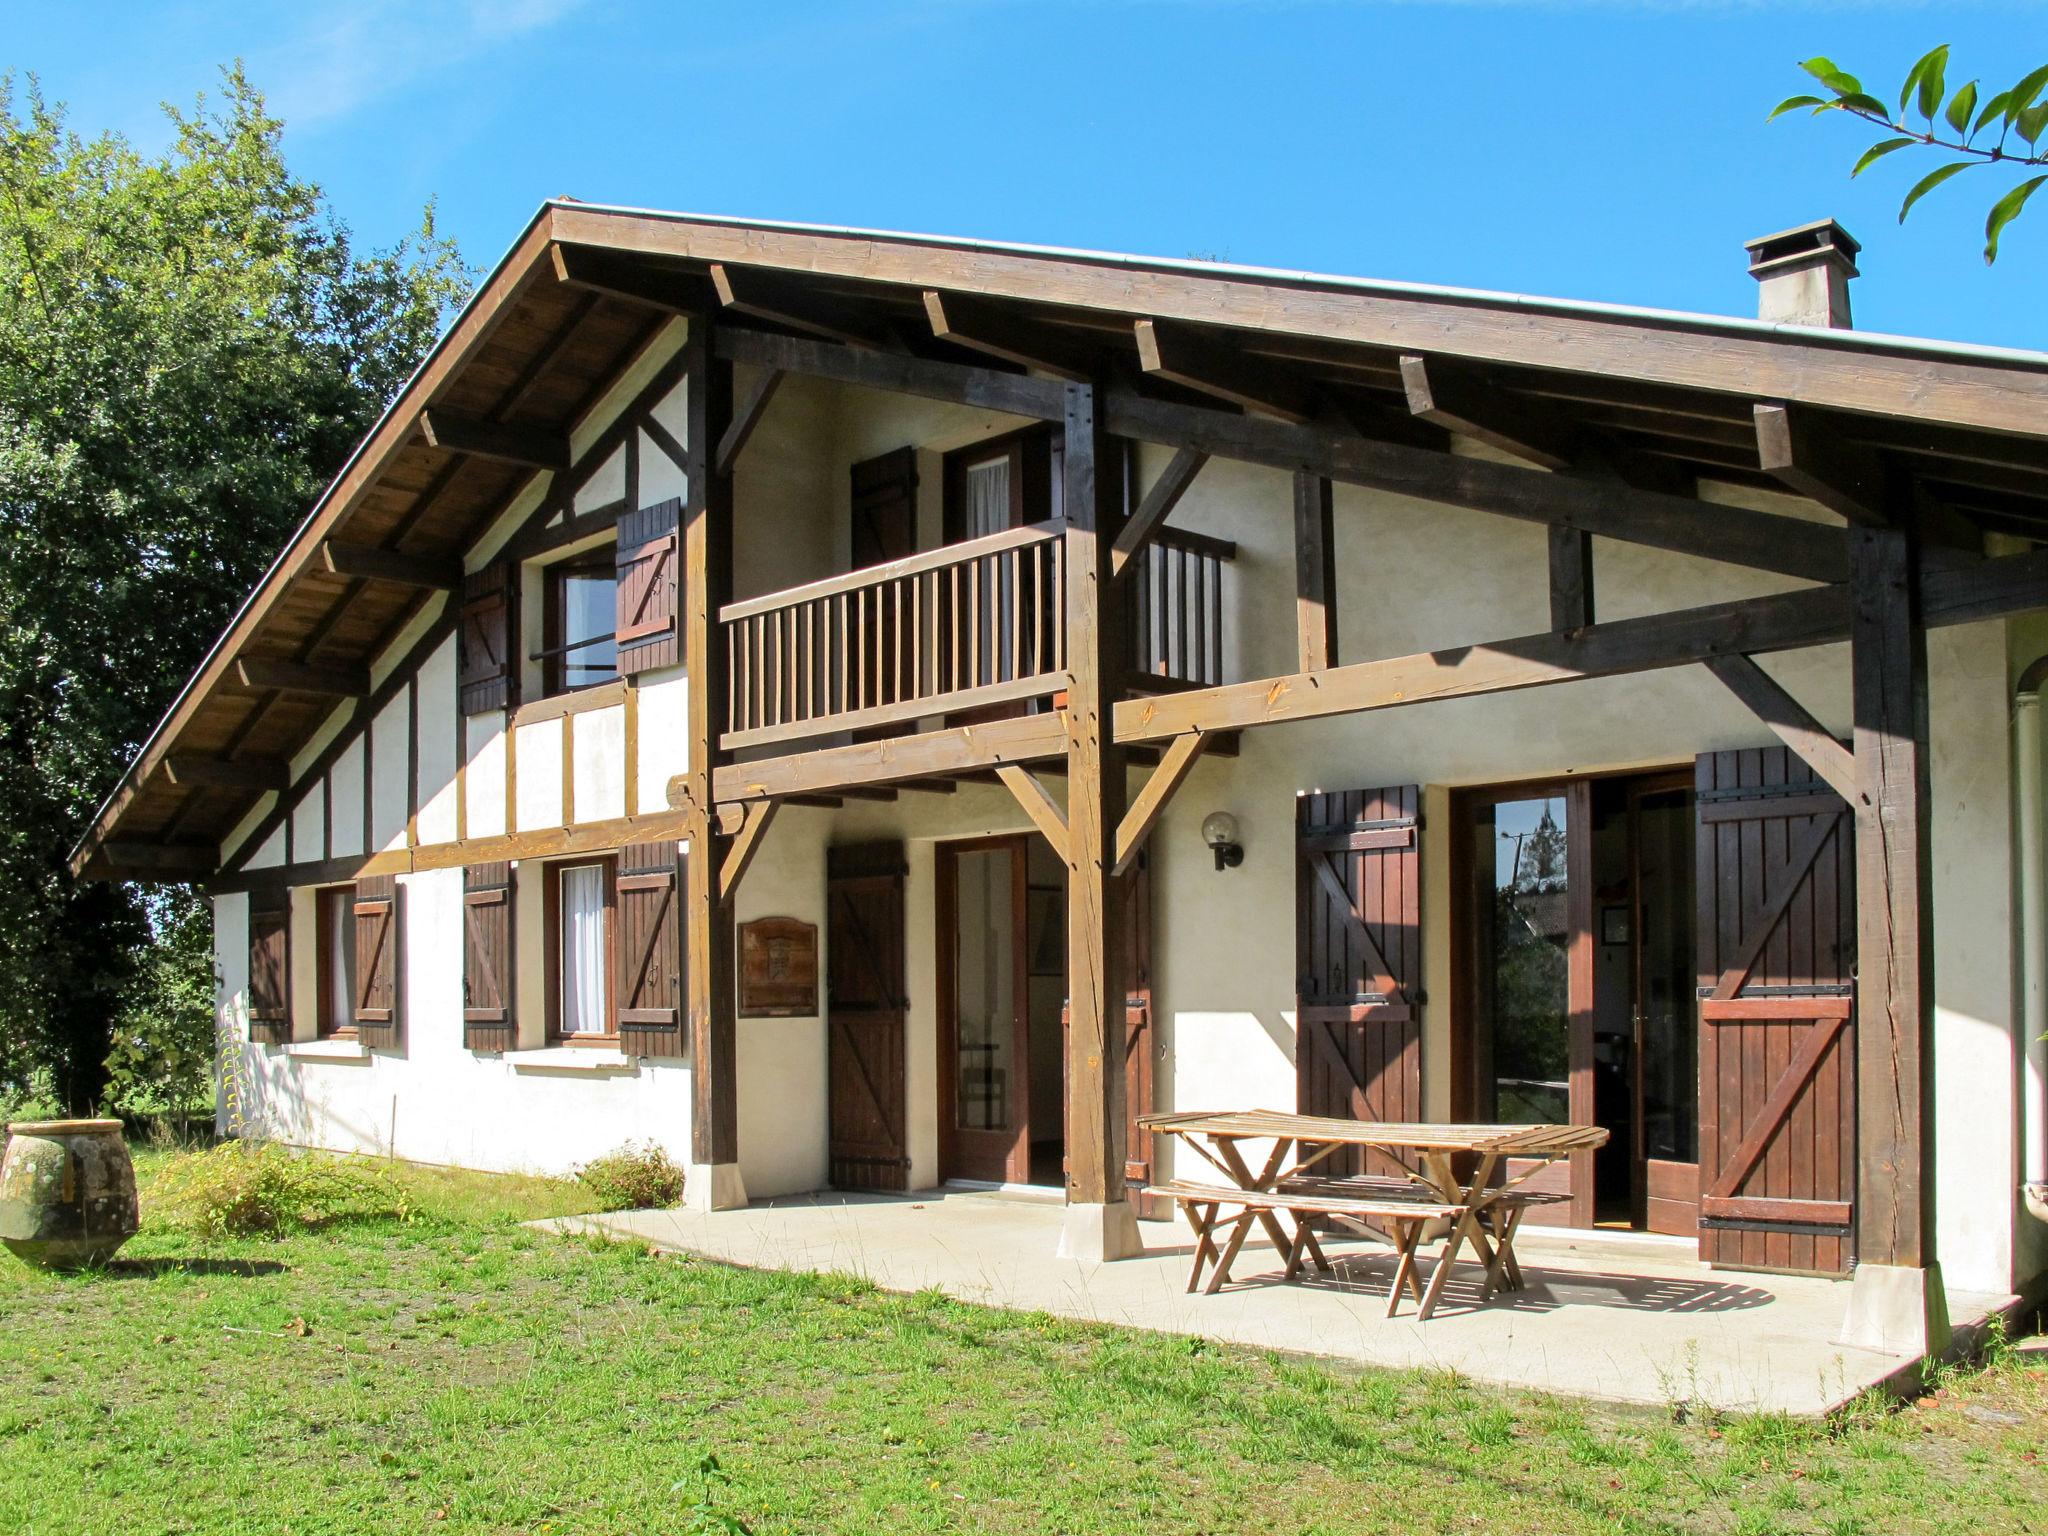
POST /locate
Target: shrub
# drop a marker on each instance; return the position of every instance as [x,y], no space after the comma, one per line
[633,1177]
[247,1189]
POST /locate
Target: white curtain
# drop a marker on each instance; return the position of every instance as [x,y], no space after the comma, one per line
[341,957]
[988,497]
[583,968]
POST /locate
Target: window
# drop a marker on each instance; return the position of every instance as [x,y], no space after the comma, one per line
[337,963]
[580,913]
[1006,482]
[578,644]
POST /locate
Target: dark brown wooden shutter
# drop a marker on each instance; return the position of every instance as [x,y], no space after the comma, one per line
[487,1016]
[1777,955]
[1358,909]
[270,966]
[884,508]
[649,566]
[864,1017]
[1137,904]
[487,675]
[377,943]
[650,950]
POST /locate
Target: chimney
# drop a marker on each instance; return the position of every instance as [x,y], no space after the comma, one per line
[1803,275]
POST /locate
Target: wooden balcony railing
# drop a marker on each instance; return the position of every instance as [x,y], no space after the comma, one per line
[1176,602]
[968,627]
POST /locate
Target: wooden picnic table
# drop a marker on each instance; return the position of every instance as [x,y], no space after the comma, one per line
[1484,1207]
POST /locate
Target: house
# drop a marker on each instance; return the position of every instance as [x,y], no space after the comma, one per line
[869,710]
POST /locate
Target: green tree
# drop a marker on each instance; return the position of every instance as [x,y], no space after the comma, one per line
[190,344]
[2002,133]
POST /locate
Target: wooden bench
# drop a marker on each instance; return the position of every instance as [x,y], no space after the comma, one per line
[1499,1217]
[1404,1207]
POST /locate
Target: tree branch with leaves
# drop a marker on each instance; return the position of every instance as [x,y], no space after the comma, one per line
[2019,116]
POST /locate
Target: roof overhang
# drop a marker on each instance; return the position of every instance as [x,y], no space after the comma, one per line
[585,289]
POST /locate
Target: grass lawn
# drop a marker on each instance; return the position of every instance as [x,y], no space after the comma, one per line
[456,1372]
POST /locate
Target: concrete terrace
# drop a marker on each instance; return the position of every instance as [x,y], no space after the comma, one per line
[1621,1319]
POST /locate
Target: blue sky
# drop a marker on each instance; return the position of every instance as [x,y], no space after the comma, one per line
[1613,151]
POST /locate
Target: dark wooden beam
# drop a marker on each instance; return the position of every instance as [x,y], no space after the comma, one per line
[528,446]
[1096,794]
[245,773]
[1790,720]
[1315,572]
[1181,355]
[780,300]
[984,328]
[1894,907]
[298,677]
[364,562]
[1782,621]
[1015,393]
[1786,545]
[1444,396]
[1152,512]
[1464,402]
[710,992]
[611,276]
[1571,578]
[1842,476]
[746,418]
[157,860]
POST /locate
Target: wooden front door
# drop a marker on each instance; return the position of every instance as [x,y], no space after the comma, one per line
[864,1011]
[1777,952]
[1358,909]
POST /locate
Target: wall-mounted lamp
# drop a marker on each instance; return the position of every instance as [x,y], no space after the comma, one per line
[1219,831]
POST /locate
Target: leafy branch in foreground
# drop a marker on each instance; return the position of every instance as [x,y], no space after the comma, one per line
[2019,115]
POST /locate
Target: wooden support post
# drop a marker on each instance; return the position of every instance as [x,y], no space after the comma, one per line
[1100,1222]
[1571,578]
[1315,572]
[1897,1300]
[708,921]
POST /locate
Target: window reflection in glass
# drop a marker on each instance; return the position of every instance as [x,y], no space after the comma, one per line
[1524,934]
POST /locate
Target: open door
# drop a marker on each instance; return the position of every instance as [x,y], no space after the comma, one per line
[864,1012]
[1777,950]
[1358,907]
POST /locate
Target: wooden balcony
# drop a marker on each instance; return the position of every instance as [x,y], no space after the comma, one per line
[970,629]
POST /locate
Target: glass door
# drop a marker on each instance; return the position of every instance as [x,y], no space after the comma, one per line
[1525,1022]
[984,1018]
[1666,1117]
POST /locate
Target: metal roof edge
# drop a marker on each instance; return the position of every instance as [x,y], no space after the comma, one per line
[1585,308]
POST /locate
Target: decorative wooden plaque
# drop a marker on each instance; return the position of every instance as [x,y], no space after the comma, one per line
[778,968]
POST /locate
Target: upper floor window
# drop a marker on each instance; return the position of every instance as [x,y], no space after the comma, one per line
[337,963]
[579,646]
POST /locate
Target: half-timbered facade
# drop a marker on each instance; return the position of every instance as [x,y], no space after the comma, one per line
[868,711]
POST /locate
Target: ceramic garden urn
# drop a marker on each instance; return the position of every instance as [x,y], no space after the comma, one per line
[67,1192]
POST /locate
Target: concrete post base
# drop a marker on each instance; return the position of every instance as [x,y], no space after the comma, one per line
[713,1187]
[1898,1310]
[1095,1234]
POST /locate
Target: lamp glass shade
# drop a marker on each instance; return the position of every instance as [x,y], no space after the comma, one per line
[1219,828]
